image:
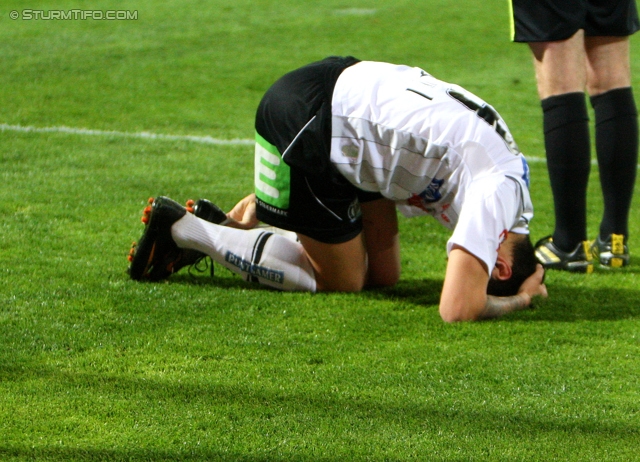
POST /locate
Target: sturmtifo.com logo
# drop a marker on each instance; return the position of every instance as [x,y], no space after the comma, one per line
[74,15]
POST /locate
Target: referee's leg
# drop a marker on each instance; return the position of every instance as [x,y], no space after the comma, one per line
[561,76]
[616,134]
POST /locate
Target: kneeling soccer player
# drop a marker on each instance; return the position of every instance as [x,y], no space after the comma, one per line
[342,143]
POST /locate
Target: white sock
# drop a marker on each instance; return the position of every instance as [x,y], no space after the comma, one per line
[256,254]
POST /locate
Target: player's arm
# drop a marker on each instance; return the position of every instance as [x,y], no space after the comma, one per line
[464,294]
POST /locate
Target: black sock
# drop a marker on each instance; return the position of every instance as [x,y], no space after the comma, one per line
[617,150]
[566,140]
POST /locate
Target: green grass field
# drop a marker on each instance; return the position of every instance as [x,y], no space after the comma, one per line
[96,367]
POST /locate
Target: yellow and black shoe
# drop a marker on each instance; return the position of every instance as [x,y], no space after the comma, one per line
[551,257]
[612,252]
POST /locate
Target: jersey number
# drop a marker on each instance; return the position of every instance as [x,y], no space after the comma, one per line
[473,103]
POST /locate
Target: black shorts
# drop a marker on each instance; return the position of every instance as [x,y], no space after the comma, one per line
[551,20]
[297,188]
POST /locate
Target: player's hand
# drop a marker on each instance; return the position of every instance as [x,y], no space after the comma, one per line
[243,214]
[534,285]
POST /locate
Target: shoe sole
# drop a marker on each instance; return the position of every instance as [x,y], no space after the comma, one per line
[572,267]
[550,260]
[142,255]
[613,261]
[615,257]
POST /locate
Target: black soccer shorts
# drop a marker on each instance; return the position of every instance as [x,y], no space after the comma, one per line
[551,20]
[297,188]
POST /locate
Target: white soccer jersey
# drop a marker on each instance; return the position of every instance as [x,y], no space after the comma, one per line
[435,149]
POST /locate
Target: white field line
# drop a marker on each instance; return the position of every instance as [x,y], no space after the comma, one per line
[117,134]
[162,137]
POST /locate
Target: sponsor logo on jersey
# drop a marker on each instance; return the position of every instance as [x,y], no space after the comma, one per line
[253,269]
[271,208]
[428,196]
[526,174]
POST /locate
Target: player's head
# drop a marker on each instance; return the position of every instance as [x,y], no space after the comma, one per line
[524,265]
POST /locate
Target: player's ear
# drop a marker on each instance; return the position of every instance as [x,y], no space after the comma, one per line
[502,271]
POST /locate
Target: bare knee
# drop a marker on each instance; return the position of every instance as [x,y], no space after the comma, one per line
[608,65]
[339,283]
[338,267]
[386,279]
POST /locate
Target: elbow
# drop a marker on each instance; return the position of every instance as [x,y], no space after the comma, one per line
[451,313]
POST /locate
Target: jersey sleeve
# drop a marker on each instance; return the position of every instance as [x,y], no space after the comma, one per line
[491,208]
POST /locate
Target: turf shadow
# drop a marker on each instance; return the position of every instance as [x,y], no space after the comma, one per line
[566,302]
[571,304]
[282,410]
[421,292]
[132,455]
[415,291]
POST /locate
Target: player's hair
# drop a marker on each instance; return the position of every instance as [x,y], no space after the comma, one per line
[524,265]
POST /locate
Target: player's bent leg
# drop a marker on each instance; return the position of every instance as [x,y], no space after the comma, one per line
[338,267]
[257,255]
[380,227]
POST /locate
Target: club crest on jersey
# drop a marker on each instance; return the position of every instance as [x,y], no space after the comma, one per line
[428,196]
[354,211]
